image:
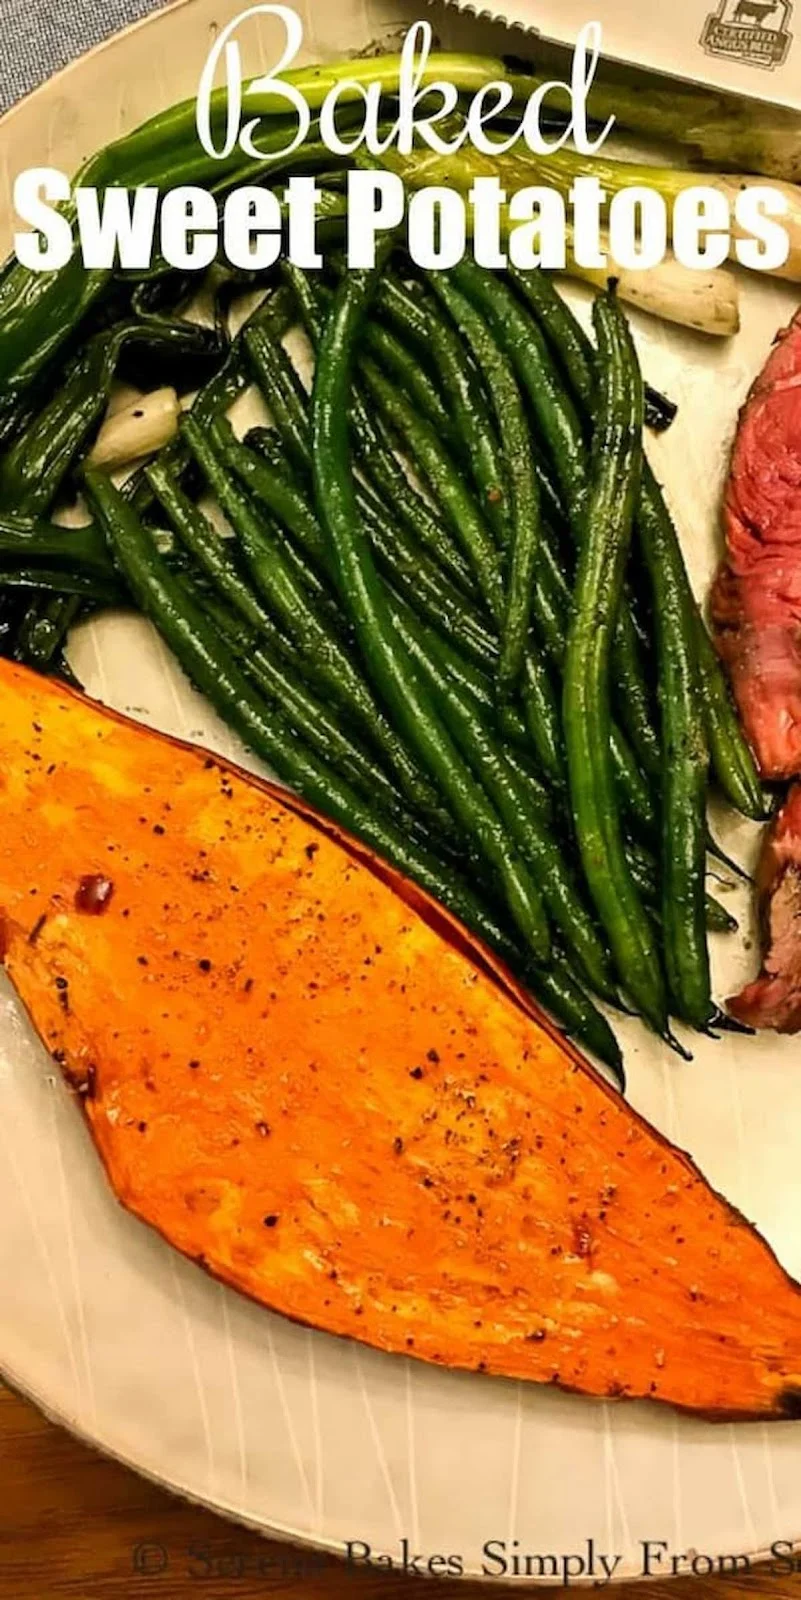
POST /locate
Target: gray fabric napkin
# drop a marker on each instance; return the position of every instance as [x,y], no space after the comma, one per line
[39,36]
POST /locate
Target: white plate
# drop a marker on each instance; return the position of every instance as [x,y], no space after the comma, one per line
[122,1340]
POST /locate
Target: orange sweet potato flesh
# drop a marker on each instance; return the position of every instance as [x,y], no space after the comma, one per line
[310,1080]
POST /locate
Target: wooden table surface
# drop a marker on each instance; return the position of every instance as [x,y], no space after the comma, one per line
[73,1524]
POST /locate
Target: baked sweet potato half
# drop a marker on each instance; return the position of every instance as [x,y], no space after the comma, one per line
[309,1079]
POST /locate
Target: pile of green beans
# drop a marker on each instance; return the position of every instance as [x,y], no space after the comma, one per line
[452,611]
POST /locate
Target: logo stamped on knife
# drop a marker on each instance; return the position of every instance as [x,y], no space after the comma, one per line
[754,31]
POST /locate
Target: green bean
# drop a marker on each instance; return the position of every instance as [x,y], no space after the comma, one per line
[283,391]
[474,682]
[520,815]
[575,349]
[467,674]
[521,340]
[63,581]
[633,699]
[538,694]
[525,500]
[551,597]
[525,345]
[287,502]
[375,444]
[541,710]
[206,545]
[308,300]
[219,393]
[496,371]
[389,663]
[557,989]
[289,601]
[418,578]
[380,466]
[685,763]
[261,467]
[38,313]
[31,471]
[28,539]
[400,364]
[414,574]
[281,493]
[444,477]
[264,470]
[645,872]
[732,760]
[567,337]
[474,428]
[632,788]
[270,480]
[375,447]
[44,628]
[467,523]
[538,795]
[306,713]
[552,604]
[615,473]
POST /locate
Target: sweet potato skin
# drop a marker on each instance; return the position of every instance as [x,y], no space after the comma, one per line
[315,1084]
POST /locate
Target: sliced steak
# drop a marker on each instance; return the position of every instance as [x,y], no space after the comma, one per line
[774,999]
[756,601]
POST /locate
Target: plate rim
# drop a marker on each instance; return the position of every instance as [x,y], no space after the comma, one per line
[298,1539]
